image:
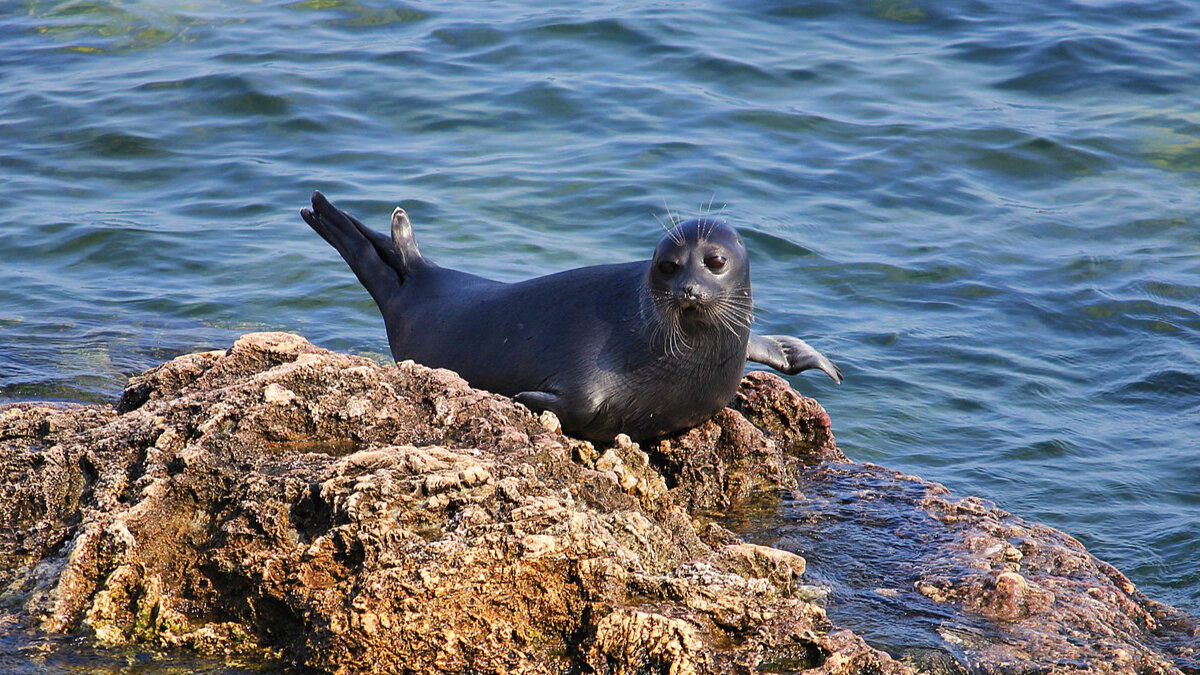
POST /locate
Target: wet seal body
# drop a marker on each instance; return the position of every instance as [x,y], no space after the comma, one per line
[643,348]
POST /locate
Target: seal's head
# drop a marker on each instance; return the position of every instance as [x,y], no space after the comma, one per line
[700,276]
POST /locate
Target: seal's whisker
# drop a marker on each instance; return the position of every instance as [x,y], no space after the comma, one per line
[744,307]
[676,222]
[735,305]
[660,311]
[731,318]
[712,224]
[673,333]
[669,230]
[740,299]
[733,312]
[728,322]
[738,311]
[684,343]
[681,342]
[718,317]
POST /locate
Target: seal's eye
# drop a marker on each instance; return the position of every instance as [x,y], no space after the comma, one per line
[667,267]
[714,262]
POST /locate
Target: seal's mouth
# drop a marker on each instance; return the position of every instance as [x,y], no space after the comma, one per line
[690,308]
[694,314]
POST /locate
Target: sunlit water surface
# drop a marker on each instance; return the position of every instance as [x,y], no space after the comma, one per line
[988,213]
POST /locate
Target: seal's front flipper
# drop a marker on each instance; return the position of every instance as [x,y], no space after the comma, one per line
[537,401]
[789,355]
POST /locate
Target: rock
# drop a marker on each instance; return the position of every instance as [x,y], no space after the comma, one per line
[954,584]
[327,512]
[278,499]
[761,562]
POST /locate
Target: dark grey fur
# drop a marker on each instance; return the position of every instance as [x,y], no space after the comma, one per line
[642,348]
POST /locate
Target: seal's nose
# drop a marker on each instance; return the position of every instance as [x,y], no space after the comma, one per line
[690,296]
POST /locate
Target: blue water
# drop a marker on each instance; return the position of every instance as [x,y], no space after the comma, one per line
[988,213]
[23,653]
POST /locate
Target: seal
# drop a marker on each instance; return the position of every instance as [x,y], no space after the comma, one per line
[642,348]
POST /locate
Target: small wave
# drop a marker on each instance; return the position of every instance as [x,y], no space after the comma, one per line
[223,94]
[1161,386]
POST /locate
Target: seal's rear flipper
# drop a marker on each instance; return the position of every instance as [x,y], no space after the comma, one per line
[404,243]
[383,245]
[368,253]
[789,355]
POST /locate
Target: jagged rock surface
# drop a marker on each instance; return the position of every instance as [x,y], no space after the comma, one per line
[350,517]
[952,584]
[344,516]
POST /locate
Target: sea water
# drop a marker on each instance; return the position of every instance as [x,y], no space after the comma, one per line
[987,213]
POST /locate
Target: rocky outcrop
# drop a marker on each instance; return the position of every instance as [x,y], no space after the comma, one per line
[957,585]
[280,500]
